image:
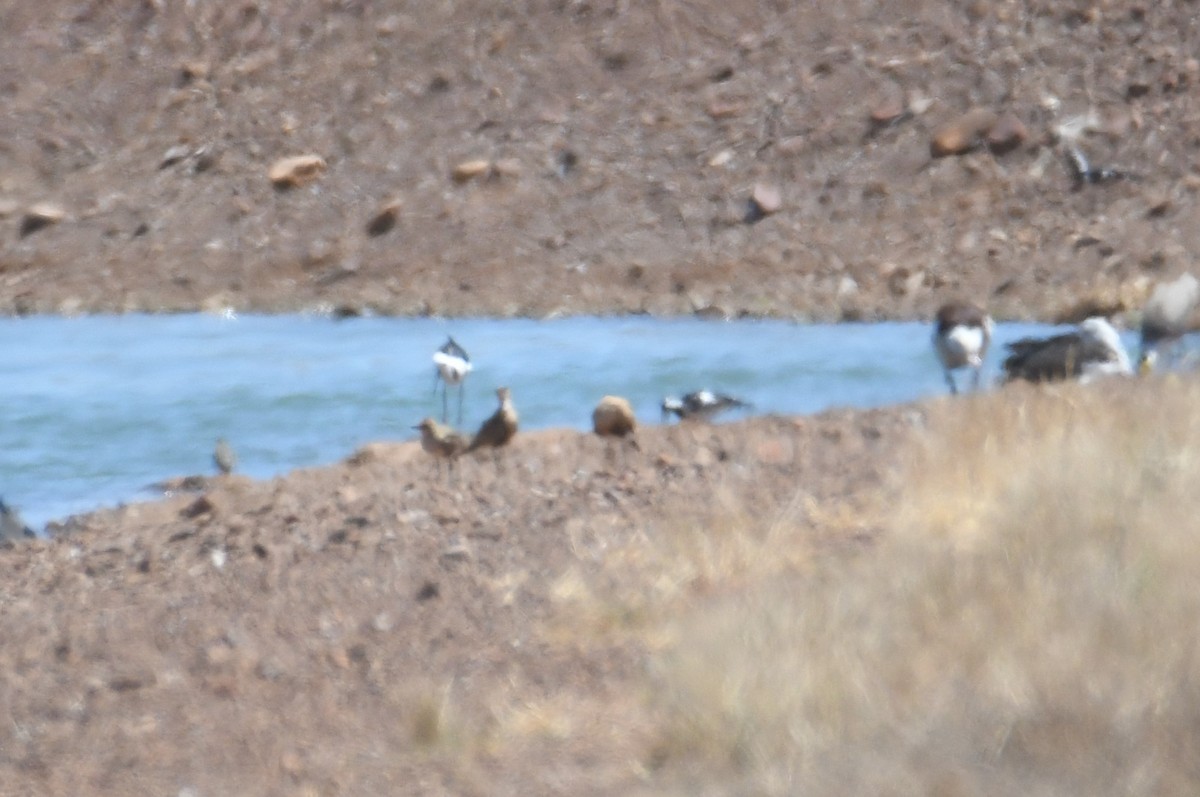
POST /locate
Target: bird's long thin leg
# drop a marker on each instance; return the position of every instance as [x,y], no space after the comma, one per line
[951,383]
[461,386]
[975,377]
[445,410]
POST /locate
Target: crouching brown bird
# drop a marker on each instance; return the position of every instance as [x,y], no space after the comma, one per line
[500,428]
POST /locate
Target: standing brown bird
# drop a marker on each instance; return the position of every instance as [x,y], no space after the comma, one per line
[500,428]
[224,457]
[441,441]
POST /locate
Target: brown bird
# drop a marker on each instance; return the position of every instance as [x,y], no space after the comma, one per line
[613,417]
[441,441]
[500,428]
[224,457]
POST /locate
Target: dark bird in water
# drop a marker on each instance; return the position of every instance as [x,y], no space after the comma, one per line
[12,527]
[443,442]
[962,333]
[497,430]
[224,457]
[451,365]
[1092,351]
[703,404]
[1167,315]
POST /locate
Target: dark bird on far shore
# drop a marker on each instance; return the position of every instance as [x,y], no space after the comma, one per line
[497,430]
[1167,316]
[962,333]
[451,365]
[12,527]
[224,457]
[700,404]
[1092,351]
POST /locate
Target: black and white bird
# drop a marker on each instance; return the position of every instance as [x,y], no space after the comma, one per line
[451,365]
[1092,351]
[962,333]
[12,527]
[1084,173]
[1167,316]
[702,404]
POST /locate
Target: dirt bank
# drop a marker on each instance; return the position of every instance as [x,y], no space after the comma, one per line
[619,148]
[372,628]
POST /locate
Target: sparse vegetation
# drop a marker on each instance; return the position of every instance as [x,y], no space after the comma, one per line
[1026,626]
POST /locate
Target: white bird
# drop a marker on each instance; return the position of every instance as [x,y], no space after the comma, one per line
[451,365]
[1093,351]
[1167,315]
[700,404]
[961,335]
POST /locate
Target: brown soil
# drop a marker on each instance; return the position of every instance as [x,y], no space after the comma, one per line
[626,141]
[268,638]
[371,627]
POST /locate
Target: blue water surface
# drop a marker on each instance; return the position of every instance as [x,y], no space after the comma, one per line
[96,408]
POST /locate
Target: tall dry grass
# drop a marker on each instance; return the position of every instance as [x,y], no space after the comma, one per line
[1028,626]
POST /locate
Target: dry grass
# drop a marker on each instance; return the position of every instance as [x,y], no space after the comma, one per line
[1027,627]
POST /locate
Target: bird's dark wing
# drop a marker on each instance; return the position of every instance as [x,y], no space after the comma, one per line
[454,350]
[1044,359]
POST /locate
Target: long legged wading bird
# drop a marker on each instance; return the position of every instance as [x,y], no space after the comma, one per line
[442,442]
[700,404]
[451,365]
[1166,316]
[962,333]
[497,430]
[1092,351]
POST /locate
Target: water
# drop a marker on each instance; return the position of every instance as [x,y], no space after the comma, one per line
[97,408]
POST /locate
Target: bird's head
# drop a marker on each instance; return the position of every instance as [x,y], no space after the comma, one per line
[1147,361]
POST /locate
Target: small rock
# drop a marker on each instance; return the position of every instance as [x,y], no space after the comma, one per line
[1007,134]
[1159,206]
[40,216]
[962,134]
[296,171]
[201,506]
[723,109]
[468,170]
[371,452]
[614,417]
[507,167]
[711,312]
[456,549]
[887,112]
[384,219]
[768,198]
[721,158]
